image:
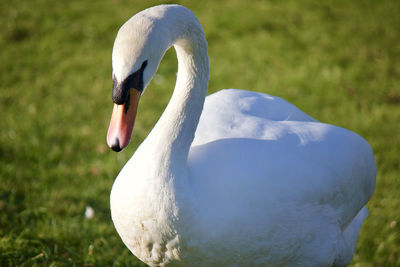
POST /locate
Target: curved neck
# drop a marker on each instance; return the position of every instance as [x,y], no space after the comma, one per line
[170,140]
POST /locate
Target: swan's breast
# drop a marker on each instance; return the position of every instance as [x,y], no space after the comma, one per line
[145,216]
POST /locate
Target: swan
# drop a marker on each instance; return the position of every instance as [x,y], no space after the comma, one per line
[237,178]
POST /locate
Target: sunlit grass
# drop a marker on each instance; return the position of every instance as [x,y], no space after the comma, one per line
[336,60]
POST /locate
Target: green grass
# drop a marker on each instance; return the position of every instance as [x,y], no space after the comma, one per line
[336,60]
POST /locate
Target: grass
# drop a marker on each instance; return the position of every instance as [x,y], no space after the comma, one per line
[336,60]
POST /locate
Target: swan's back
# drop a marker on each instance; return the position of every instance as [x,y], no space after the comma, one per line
[261,165]
[233,113]
[253,136]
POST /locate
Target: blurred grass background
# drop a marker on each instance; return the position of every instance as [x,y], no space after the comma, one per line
[336,60]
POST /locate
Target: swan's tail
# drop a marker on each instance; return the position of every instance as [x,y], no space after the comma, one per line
[348,241]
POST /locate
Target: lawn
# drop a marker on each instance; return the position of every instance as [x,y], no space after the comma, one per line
[336,60]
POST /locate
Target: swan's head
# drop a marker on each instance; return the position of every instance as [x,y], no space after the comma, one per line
[138,49]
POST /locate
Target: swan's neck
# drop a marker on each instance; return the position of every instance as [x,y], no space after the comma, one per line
[169,142]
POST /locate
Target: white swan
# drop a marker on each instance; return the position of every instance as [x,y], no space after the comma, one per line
[259,183]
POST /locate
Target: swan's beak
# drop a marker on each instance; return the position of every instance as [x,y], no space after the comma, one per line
[122,120]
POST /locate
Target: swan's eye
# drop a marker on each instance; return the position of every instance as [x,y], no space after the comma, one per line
[144,64]
[120,92]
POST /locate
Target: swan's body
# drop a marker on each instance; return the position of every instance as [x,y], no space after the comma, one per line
[259,183]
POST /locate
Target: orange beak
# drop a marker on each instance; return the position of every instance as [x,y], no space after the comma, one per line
[122,121]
